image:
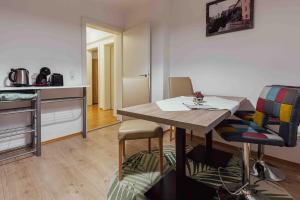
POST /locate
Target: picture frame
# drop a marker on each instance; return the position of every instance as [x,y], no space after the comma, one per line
[225,16]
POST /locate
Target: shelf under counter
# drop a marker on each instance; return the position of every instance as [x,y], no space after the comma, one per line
[16,110]
[12,132]
[19,152]
[36,108]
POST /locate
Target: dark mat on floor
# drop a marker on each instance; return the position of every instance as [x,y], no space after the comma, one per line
[141,172]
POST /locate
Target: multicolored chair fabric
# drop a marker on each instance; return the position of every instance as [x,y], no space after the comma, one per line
[276,103]
[245,115]
[249,116]
[248,132]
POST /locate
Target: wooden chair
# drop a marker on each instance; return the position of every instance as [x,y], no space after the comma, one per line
[180,86]
[134,129]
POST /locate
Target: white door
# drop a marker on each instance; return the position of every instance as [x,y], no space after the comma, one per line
[136,55]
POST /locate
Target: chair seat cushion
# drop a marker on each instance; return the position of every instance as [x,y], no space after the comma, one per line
[249,116]
[245,115]
[247,132]
[139,129]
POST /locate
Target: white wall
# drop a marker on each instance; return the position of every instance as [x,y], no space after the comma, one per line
[38,33]
[61,119]
[239,63]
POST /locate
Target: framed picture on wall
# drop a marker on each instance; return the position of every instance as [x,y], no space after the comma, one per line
[224,16]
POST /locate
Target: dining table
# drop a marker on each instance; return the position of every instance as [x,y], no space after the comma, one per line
[176,185]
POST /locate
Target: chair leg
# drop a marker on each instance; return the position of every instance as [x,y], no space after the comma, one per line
[149,145]
[120,159]
[124,149]
[246,163]
[175,134]
[247,192]
[265,171]
[161,155]
[171,131]
[191,135]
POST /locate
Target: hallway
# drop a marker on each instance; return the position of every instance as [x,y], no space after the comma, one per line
[98,118]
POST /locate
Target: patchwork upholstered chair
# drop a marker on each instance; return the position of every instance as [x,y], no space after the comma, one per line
[180,86]
[134,129]
[260,168]
[277,105]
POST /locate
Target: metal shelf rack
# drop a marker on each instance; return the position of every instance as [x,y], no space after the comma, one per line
[20,152]
[7,133]
[33,129]
[16,110]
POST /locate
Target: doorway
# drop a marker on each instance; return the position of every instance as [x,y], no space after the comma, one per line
[100,63]
[95,78]
[131,58]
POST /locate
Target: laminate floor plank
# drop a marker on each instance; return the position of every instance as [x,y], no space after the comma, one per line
[78,169]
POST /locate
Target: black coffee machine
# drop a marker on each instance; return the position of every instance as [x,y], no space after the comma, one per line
[42,78]
[56,80]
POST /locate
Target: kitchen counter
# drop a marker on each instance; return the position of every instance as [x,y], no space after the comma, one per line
[39,100]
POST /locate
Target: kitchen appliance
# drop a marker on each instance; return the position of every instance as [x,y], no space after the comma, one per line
[56,80]
[19,77]
[41,79]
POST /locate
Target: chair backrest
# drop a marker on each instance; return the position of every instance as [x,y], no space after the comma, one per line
[180,86]
[281,103]
[137,91]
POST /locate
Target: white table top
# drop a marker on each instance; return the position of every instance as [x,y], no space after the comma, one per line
[42,88]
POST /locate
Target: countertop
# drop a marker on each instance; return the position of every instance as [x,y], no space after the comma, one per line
[41,88]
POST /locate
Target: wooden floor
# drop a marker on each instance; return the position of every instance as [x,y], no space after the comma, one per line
[75,168]
[98,118]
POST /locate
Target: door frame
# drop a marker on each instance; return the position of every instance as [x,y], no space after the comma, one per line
[86,21]
[111,72]
[92,49]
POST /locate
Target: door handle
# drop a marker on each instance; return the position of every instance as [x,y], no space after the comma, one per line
[144,75]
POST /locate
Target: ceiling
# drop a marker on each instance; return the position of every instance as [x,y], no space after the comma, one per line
[93,35]
[125,4]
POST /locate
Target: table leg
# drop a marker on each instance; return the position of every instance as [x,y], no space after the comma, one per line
[176,185]
[180,153]
[84,118]
[209,156]
[208,143]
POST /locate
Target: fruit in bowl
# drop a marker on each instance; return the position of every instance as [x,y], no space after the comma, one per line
[198,97]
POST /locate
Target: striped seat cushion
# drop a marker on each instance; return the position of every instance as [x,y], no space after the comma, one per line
[247,132]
